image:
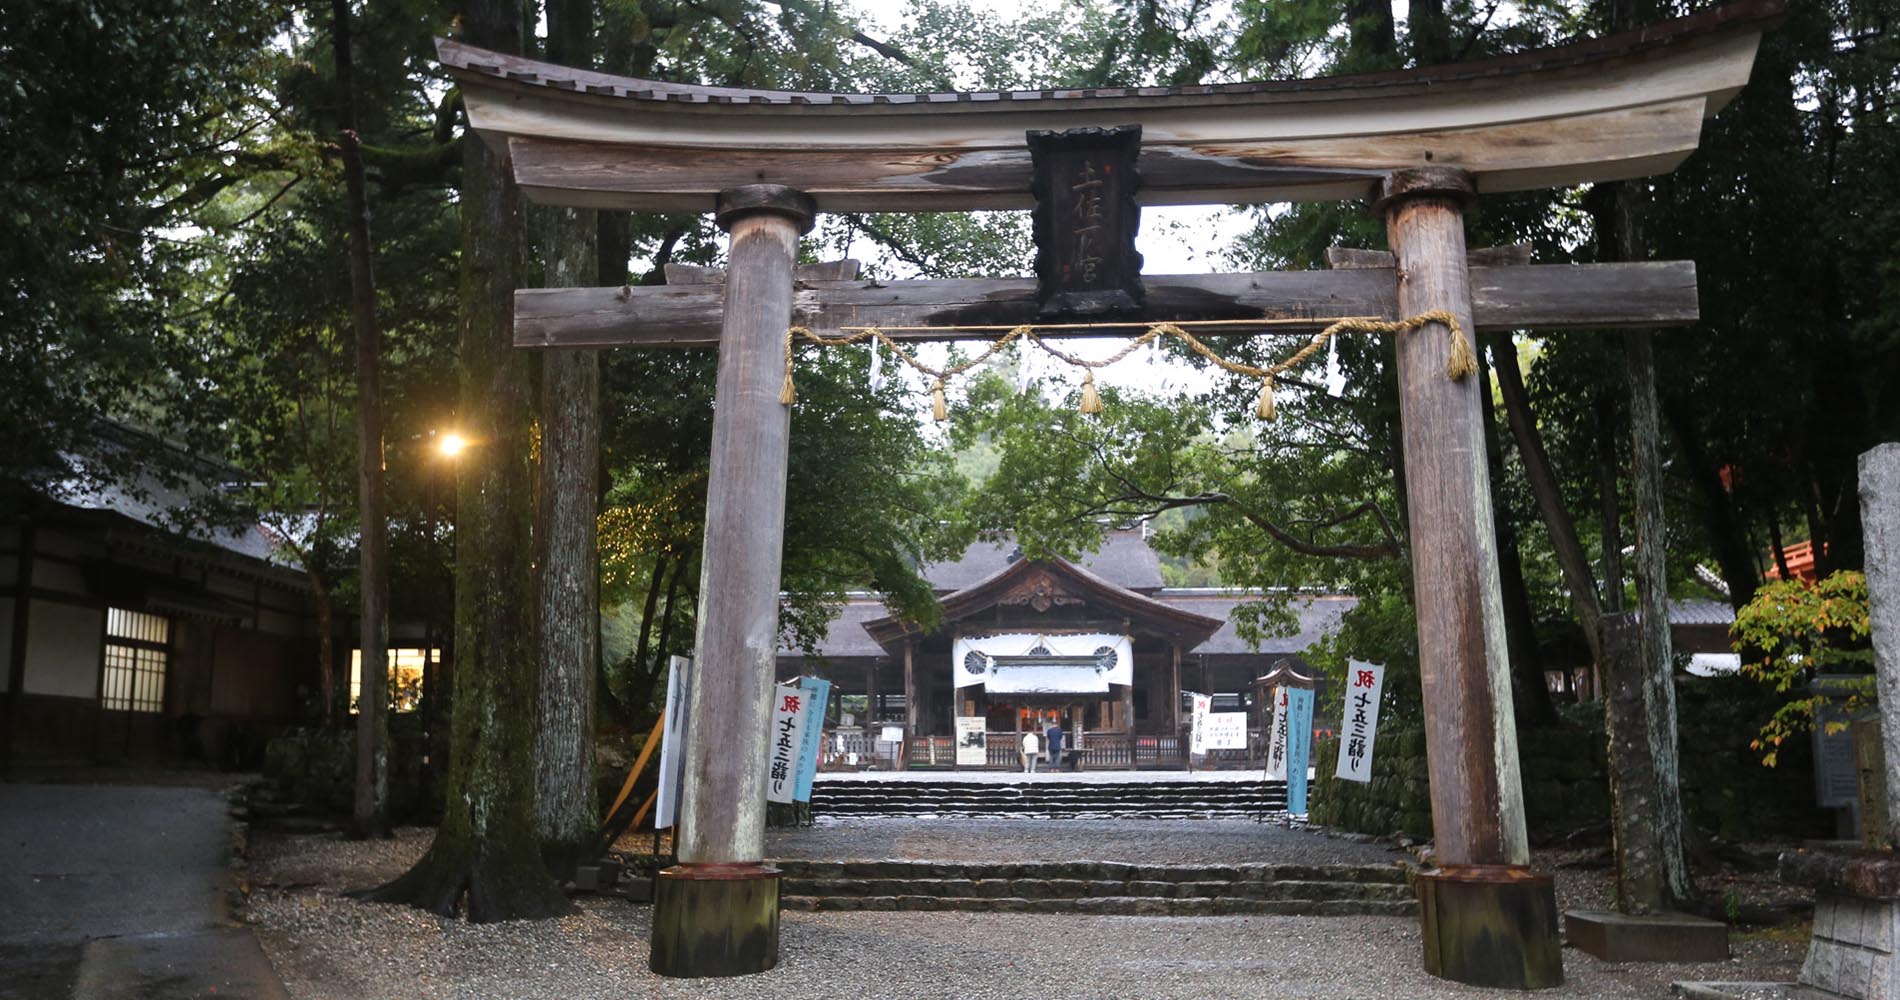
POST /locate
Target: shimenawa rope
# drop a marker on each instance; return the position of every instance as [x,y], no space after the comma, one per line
[1459,365]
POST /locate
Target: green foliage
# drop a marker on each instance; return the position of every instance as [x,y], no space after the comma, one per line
[123,118]
[1794,631]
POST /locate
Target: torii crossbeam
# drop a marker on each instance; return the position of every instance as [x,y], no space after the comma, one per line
[1420,143]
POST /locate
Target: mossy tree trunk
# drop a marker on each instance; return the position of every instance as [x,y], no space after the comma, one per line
[566,812]
[486,850]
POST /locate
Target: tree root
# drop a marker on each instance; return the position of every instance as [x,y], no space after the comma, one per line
[476,884]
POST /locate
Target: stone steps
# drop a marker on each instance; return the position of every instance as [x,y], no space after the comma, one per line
[1084,887]
[1158,800]
[1127,906]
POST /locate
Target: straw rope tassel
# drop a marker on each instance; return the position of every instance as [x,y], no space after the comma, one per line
[1091,400]
[787,393]
[1462,362]
[939,408]
[1264,411]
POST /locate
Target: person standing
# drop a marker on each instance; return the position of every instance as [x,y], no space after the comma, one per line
[1052,735]
[1031,747]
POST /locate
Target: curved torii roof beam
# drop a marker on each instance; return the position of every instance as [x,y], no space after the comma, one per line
[1622,106]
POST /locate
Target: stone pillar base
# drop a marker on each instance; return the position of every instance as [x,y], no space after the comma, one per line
[1852,951]
[1649,937]
[1491,925]
[715,920]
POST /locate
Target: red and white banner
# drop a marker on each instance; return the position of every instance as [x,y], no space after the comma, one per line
[1364,683]
[790,709]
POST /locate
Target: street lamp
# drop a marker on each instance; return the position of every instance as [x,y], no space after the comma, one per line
[450,444]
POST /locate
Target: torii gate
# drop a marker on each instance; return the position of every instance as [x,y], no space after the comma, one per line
[1421,143]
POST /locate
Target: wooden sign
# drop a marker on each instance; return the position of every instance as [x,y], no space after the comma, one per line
[1085,219]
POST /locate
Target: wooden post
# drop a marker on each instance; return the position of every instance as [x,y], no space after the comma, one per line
[1471,738]
[910,691]
[16,646]
[716,912]
[1174,688]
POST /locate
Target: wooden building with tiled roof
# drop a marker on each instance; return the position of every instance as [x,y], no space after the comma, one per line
[1100,643]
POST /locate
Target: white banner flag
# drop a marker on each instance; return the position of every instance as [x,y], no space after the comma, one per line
[790,709]
[1364,683]
[679,679]
[1197,730]
[1277,738]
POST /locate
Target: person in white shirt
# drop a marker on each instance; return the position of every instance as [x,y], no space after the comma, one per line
[1032,747]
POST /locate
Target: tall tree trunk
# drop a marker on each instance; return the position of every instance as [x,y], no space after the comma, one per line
[370,817]
[1645,774]
[1652,870]
[326,650]
[1571,560]
[486,850]
[1372,39]
[1727,536]
[1609,506]
[1531,694]
[566,810]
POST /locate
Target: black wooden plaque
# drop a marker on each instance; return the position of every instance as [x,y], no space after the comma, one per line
[1085,219]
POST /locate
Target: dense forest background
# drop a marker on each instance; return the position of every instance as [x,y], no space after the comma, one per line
[176,183]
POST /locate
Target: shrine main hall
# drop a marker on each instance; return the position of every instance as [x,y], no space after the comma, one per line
[1100,642]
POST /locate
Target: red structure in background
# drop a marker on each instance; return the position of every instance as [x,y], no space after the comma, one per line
[1800,561]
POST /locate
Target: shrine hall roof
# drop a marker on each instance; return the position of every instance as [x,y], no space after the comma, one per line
[1124,560]
[1126,571]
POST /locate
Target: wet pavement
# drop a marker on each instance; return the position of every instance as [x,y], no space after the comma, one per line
[119,891]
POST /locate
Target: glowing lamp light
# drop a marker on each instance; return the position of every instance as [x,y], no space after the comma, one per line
[451,444]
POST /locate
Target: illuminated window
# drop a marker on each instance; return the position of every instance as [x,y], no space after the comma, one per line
[405,676]
[137,648]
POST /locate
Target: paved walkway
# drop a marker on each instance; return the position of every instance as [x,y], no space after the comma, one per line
[117,891]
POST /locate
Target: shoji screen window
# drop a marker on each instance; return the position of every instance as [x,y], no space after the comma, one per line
[137,648]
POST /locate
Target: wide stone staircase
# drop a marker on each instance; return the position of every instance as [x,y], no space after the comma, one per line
[1098,887]
[1134,799]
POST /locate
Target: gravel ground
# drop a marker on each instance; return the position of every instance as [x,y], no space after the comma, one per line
[329,947]
[1191,841]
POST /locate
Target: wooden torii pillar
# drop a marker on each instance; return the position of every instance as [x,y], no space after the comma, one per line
[1422,143]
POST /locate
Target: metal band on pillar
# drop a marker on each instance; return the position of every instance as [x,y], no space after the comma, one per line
[716,912]
[1487,919]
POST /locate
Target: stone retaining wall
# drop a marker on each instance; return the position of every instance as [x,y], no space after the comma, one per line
[1725,788]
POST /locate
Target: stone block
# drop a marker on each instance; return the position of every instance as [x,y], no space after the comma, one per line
[1656,937]
[1854,973]
[1819,971]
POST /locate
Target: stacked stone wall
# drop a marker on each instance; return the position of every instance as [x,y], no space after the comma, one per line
[1725,788]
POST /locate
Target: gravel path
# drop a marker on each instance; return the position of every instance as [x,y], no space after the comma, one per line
[330,948]
[1210,841]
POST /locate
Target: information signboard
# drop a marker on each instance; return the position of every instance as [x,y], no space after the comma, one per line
[1226,731]
[972,741]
